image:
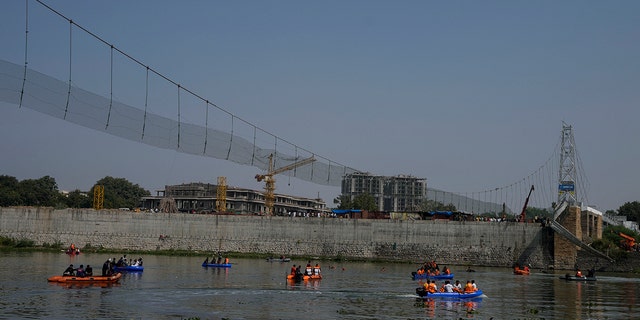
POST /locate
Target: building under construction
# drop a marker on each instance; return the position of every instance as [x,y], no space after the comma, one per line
[202,198]
[391,193]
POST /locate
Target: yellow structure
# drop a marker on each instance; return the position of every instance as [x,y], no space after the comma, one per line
[98,197]
[270,181]
[221,195]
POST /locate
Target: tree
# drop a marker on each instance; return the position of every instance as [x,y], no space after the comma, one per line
[41,192]
[9,195]
[533,212]
[120,193]
[78,199]
[344,202]
[631,210]
[365,202]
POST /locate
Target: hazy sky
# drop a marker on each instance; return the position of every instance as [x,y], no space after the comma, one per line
[470,95]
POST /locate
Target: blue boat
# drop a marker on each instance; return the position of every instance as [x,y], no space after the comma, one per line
[216,265]
[417,276]
[129,268]
[448,295]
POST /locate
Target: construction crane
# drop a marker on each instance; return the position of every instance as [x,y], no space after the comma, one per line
[523,215]
[221,195]
[270,181]
[98,197]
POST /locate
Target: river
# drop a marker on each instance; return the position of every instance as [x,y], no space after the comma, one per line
[174,287]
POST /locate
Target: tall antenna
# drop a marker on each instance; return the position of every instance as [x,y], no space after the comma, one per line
[567,175]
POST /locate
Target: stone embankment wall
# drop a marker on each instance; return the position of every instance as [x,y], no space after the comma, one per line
[449,242]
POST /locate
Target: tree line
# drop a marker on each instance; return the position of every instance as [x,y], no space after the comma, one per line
[44,192]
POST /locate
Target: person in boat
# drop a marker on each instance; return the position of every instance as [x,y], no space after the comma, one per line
[226,260]
[579,273]
[88,271]
[293,270]
[299,269]
[446,270]
[70,271]
[140,261]
[80,271]
[309,269]
[591,273]
[475,287]
[430,287]
[206,261]
[447,287]
[457,287]
[468,288]
[105,267]
[316,269]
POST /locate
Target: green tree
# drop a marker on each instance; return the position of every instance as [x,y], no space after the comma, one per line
[120,193]
[365,202]
[533,212]
[9,194]
[78,199]
[631,210]
[343,202]
[42,192]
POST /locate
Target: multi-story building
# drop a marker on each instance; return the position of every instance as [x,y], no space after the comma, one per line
[392,194]
[202,197]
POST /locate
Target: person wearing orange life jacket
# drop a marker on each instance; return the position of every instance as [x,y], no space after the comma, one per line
[468,288]
[578,273]
[446,270]
[316,269]
[431,286]
[293,270]
[308,270]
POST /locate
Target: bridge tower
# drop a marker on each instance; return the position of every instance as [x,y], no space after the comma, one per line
[567,175]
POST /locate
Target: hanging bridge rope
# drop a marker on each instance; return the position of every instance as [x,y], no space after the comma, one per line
[232,138]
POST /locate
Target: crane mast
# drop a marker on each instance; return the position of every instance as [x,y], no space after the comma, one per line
[270,181]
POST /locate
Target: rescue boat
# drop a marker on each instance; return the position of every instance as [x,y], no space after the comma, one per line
[91,279]
[417,276]
[420,291]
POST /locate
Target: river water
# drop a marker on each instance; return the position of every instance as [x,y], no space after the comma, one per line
[180,288]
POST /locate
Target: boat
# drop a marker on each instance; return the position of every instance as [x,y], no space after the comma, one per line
[216,265]
[519,271]
[305,277]
[129,268]
[420,291]
[569,277]
[91,279]
[278,259]
[417,276]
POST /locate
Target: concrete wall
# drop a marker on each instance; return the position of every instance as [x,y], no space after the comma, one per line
[448,242]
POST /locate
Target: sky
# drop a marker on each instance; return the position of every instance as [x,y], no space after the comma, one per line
[470,95]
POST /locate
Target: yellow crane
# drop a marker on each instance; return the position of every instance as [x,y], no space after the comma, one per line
[221,195]
[270,181]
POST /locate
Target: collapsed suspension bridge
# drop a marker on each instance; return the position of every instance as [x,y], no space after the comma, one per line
[158,111]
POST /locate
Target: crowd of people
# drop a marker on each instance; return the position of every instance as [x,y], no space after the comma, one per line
[431,268]
[219,260]
[309,270]
[81,271]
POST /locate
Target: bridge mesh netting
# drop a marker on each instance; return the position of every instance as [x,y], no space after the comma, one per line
[42,93]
